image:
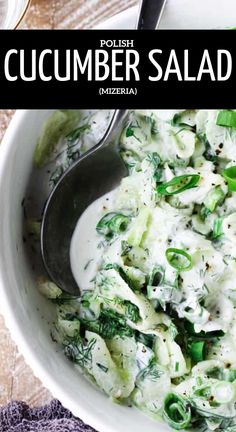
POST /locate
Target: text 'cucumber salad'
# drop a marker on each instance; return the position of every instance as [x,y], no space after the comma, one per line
[155,326]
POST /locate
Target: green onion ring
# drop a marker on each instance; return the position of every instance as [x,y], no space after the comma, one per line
[181,184]
[177,412]
[226,118]
[198,351]
[112,223]
[173,257]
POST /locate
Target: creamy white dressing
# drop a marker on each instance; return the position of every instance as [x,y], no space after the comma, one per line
[86,245]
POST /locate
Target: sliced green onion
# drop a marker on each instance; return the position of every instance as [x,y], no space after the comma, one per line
[217,229]
[178,184]
[179,259]
[214,198]
[112,223]
[177,412]
[226,118]
[198,351]
[230,176]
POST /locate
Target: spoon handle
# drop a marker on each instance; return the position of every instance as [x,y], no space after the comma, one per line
[150,14]
[149,17]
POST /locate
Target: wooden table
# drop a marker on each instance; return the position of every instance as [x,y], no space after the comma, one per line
[16,378]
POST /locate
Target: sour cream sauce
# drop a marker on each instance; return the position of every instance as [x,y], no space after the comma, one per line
[86,244]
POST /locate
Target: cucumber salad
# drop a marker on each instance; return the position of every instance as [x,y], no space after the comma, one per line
[155,259]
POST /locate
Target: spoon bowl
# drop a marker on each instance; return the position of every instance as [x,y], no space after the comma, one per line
[98,171]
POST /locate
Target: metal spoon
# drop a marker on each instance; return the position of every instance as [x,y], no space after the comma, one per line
[98,171]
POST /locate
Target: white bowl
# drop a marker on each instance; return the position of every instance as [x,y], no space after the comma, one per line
[12,12]
[26,312]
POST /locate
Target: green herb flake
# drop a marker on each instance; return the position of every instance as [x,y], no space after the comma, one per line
[129,132]
[75,134]
[80,352]
[102,367]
